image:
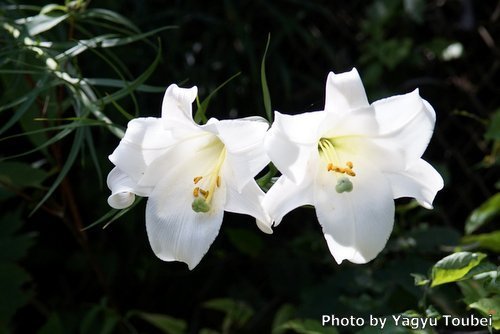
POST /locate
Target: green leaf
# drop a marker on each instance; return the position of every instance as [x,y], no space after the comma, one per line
[70,159]
[488,211]
[165,323]
[307,326]
[265,88]
[487,306]
[454,267]
[121,84]
[200,115]
[136,83]
[489,241]
[284,314]
[237,312]
[108,15]
[420,279]
[21,175]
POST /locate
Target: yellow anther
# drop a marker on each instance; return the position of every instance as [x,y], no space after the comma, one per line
[329,167]
[197,179]
[196,192]
[218,181]
[349,164]
[204,193]
[350,172]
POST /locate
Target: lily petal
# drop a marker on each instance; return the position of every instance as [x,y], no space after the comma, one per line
[249,201]
[144,141]
[177,113]
[122,189]
[358,223]
[421,181]
[285,195]
[175,231]
[344,92]
[289,146]
[406,120]
[244,142]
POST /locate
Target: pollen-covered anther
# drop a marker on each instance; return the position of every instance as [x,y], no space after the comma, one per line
[218,181]
[204,193]
[329,167]
[197,179]
[196,191]
[350,172]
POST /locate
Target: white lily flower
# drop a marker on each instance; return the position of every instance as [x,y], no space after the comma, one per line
[191,173]
[350,161]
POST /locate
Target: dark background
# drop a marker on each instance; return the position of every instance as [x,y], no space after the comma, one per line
[84,279]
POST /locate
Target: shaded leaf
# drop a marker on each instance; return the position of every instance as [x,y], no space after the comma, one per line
[236,312]
[489,241]
[484,214]
[21,175]
[493,131]
[487,306]
[265,89]
[165,323]
[247,242]
[307,326]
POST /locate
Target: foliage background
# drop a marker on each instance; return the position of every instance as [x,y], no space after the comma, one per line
[57,278]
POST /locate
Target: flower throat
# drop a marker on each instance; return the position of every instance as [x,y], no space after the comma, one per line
[329,154]
[203,195]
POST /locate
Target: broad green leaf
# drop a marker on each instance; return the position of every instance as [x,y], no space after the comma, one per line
[487,306]
[489,241]
[488,211]
[21,175]
[41,23]
[454,267]
[265,89]
[246,241]
[308,326]
[165,323]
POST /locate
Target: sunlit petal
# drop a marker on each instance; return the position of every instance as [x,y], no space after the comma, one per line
[177,113]
[289,146]
[249,201]
[175,231]
[122,189]
[406,120]
[344,92]
[421,181]
[144,141]
[285,195]
[244,142]
[358,223]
